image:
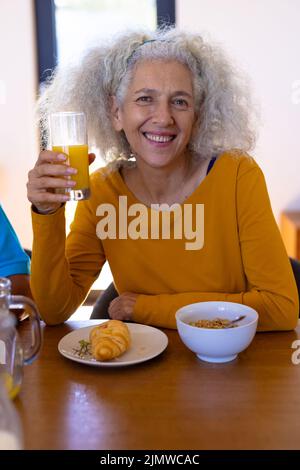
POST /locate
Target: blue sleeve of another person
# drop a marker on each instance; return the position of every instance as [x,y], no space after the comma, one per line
[13,259]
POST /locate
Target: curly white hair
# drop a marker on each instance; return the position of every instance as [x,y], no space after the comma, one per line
[223,102]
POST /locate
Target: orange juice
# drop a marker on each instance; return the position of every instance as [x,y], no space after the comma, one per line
[78,158]
[12,389]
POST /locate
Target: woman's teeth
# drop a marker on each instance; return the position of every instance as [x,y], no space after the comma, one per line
[159,138]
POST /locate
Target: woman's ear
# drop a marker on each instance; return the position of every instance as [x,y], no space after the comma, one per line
[115,114]
[195,128]
[196,124]
[196,119]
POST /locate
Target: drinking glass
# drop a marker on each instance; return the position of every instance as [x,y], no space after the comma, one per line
[68,135]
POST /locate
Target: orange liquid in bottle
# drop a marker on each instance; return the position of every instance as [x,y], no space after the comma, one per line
[11,389]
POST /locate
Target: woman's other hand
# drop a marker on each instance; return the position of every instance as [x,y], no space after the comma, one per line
[50,173]
[121,308]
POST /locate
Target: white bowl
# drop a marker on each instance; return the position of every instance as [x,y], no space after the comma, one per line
[216,345]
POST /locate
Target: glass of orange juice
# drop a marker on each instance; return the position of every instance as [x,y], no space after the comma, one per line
[68,135]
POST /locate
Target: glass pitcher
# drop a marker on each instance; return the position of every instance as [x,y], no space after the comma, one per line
[11,432]
[12,353]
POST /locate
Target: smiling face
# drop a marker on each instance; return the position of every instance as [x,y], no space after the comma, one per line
[158,112]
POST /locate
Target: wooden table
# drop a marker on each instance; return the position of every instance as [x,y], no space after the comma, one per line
[174,401]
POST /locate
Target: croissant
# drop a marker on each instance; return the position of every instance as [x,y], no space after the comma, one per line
[109,340]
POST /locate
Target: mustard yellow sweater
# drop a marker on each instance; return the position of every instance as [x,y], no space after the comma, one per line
[242,259]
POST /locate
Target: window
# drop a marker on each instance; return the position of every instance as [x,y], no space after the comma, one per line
[81,22]
[66,27]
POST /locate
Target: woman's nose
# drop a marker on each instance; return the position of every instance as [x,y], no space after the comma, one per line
[162,115]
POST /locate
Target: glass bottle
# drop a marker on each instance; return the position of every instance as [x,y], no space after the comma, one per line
[12,354]
[11,435]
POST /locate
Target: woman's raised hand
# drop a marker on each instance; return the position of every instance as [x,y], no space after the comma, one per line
[49,173]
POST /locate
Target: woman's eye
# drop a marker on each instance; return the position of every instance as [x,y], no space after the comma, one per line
[181,103]
[144,99]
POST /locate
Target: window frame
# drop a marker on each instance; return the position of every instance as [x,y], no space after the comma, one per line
[46,43]
[166,12]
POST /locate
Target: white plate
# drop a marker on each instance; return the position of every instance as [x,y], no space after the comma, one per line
[146,343]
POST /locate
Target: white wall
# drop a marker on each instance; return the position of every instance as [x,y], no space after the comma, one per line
[263,37]
[18,140]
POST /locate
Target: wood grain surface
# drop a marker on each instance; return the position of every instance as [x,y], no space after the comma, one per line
[174,401]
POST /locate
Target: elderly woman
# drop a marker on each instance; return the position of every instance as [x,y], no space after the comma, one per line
[172,121]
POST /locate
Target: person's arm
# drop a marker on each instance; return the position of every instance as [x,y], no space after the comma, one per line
[62,271]
[14,262]
[271,288]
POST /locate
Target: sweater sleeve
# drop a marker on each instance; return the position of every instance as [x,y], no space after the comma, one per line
[63,270]
[271,288]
